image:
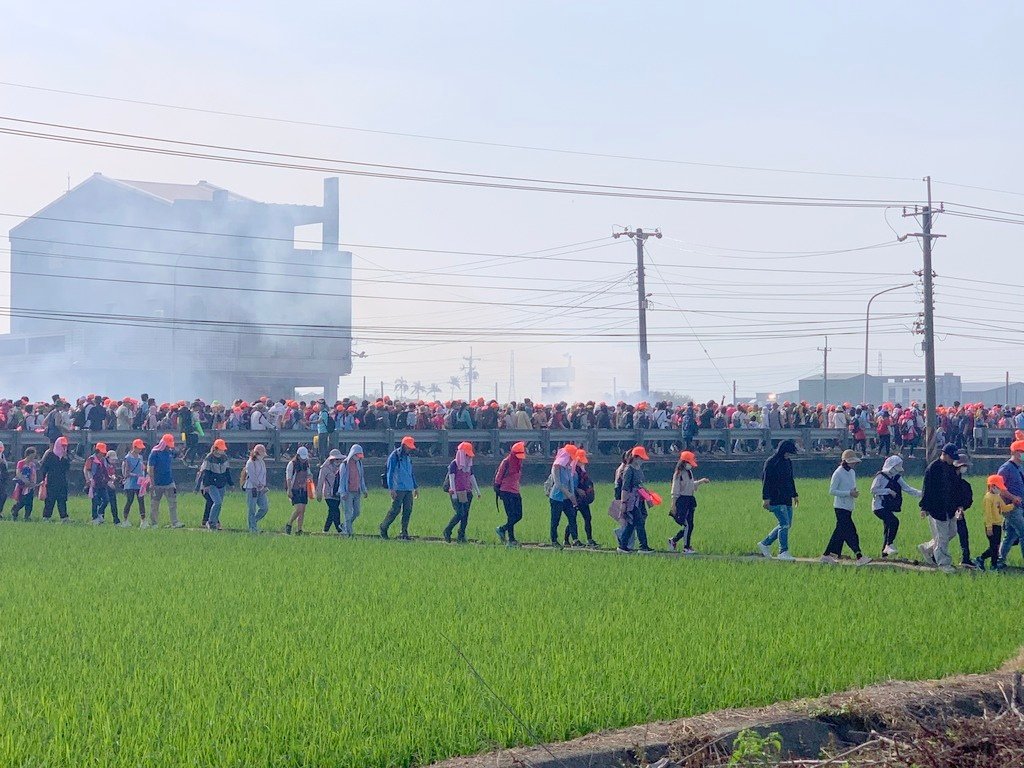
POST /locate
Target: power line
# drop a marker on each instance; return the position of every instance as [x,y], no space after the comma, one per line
[468,179]
[500,145]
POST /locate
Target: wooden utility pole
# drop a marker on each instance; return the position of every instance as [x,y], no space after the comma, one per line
[639,237]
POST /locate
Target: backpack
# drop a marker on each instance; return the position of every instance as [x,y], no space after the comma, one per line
[332,423]
[909,433]
[550,482]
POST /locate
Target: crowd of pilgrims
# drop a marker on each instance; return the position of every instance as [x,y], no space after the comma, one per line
[340,482]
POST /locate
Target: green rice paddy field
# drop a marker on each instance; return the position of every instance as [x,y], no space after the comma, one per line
[184,648]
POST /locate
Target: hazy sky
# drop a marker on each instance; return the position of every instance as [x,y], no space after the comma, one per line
[869,88]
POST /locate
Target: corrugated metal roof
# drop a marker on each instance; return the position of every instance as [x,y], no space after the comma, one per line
[202,191]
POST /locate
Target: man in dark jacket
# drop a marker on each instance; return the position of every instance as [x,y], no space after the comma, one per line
[939,504]
[964,501]
[778,492]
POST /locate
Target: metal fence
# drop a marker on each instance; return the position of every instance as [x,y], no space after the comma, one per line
[442,442]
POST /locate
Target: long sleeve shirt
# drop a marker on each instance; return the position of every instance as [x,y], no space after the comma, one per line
[995,508]
[844,482]
[880,490]
[255,474]
[400,476]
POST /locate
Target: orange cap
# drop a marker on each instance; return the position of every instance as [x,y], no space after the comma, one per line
[581,457]
[467,448]
[101,447]
[138,443]
[219,445]
[409,443]
[997,481]
[688,457]
[168,440]
[571,449]
[640,452]
[519,449]
[1017,446]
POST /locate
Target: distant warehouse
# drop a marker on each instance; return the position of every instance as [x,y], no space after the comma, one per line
[179,290]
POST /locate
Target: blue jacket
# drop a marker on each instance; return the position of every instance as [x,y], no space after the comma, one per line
[566,477]
[399,471]
[1013,477]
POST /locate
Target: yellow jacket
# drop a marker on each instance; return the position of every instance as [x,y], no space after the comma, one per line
[995,508]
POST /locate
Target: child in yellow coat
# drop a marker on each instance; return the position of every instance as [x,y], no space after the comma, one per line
[995,508]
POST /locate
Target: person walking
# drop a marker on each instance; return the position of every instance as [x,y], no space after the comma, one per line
[133,470]
[995,509]
[401,484]
[506,488]
[5,479]
[585,495]
[1012,473]
[97,481]
[113,480]
[25,483]
[964,501]
[938,505]
[296,483]
[684,500]
[562,495]
[162,478]
[328,489]
[887,491]
[56,469]
[779,496]
[353,487]
[215,480]
[633,503]
[843,489]
[462,487]
[255,485]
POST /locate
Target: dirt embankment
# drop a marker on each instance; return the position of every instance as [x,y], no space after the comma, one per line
[866,724]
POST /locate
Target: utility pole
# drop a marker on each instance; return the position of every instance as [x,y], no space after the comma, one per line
[639,237]
[867,333]
[928,344]
[470,371]
[734,391]
[1006,401]
[824,379]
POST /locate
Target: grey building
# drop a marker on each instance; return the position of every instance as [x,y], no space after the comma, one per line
[842,388]
[180,290]
[993,393]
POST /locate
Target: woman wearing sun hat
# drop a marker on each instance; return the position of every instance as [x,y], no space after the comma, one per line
[462,486]
[133,470]
[215,480]
[634,505]
[296,483]
[843,489]
[506,488]
[561,489]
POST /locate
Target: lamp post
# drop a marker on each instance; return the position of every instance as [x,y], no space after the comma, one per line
[867,333]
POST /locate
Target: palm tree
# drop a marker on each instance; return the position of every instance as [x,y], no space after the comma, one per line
[433,390]
[417,389]
[455,382]
[401,386]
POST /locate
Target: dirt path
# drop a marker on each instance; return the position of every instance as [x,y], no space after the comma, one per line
[806,726]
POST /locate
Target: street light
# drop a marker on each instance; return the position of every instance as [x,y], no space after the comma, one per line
[867,332]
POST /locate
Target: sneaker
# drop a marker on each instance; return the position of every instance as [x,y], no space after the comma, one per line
[999,566]
[862,560]
[501,533]
[969,565]
[447,538]
[927,554]
[556,545]
[671,545]
[65,519]
[624,550]
[300,532]
[828,560]
[979,564]
[948,569]
[889,550]
[577,543]
[206,527]
[764,549]
[144,524]
[785,556]
[96,521]
[288,529]
[404,537]
[383,532]
[178,524]
[593,544]
[513,544]
[645,550]
[689,551]
[125,524]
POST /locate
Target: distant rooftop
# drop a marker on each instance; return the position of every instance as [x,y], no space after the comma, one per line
[202,191]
